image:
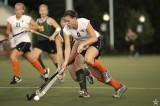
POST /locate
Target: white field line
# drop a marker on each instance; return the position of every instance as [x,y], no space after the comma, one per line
[131,88]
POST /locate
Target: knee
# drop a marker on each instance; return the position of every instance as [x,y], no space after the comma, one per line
[72,72]
[89,60]
[78,66]
[31,59]
[12,57]
[36,56]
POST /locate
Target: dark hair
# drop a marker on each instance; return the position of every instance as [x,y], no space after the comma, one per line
[71,13]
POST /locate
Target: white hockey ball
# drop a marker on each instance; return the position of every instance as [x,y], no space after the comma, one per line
[36,98]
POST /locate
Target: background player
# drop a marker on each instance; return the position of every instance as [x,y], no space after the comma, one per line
[53,45]
[131,39]
[16,24]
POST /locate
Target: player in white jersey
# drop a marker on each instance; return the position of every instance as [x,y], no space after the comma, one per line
[89,45]
[16,24]
[12,43]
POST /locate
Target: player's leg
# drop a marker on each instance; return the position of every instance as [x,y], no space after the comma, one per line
[95,72]
[71,69]
[14,57]
[31,58]
[91,54]
[37,55]
[54,59]
[89,75]
[119,88]
[41,62]
[35,63]
[81,76]
[132,49]
[90,58]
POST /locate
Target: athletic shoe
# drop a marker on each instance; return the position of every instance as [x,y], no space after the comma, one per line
[107,77]
[120,91]
[90,79]
[61,77]
[84,94]
[47,70]
[47,74]
[45,77]
[16,80]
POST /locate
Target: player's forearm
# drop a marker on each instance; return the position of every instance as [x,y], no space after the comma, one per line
[90,41]
[8,31]
[67,54]
[56,32]
[59,58]
[35,27]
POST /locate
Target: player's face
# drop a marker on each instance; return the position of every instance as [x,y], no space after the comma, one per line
[19,10]
[43,11]
[70,21]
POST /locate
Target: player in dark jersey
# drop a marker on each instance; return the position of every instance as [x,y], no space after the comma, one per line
[53,45]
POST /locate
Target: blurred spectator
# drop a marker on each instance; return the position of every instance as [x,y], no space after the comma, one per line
[131,38]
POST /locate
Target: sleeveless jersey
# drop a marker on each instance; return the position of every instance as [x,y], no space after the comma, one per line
[81,33]
[45,29]
[18,26]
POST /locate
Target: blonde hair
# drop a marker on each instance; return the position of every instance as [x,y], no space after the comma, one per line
[43,5]
[20,4]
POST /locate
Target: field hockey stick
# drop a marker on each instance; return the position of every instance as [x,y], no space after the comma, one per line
[35,32]
[13,36]
[45,87]
[55,78]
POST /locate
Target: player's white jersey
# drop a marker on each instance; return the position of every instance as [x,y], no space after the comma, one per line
[81,33]
[18,26]
[12,43]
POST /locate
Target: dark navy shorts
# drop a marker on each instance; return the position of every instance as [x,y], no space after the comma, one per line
[24,47]
[46,46]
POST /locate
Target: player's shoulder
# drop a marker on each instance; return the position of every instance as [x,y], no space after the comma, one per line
[11,18]
[50,19]
[83,22]
[82,19]
[26,16]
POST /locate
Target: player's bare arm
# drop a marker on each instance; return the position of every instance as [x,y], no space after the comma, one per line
[52,22]
[33,26]
[9,30]
[59,51]
[67,48]
[90,41]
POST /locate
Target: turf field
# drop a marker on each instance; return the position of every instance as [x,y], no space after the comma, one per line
[141,75]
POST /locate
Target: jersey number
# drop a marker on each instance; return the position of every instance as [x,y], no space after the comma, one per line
[78,34]
[18,24]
